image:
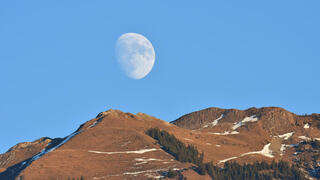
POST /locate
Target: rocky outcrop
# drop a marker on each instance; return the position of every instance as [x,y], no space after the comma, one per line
[20,146]
[195,120]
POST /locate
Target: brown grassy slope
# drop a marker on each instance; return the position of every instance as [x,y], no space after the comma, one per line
[116,131]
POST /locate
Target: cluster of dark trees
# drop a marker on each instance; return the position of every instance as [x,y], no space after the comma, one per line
[311,146]
[178,149]
[258,170]
[315,144]
[308,157]
[81,178]
[231,170]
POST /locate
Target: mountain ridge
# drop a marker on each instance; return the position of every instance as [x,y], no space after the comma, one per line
[275,115]
[114,144]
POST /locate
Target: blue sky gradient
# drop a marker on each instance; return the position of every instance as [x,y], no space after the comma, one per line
[58,67]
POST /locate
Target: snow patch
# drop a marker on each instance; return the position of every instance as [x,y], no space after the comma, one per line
[282,149]
[188,139]
[228,159]
[225,133]
[209,144]
[146,171]
[253,118]
[304,138]
[286,136]
[217,145]
[215,122]
[95,123]
[141,151]
[237,125]
[265,152]
[144,160]
[154,177]
[306,126]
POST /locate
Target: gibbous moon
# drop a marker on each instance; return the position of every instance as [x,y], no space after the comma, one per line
[135,55]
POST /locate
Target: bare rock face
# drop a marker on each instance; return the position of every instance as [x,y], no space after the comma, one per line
[277,120]
[20,146]
[196,119]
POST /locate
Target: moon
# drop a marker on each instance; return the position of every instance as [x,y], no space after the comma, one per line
[135,55]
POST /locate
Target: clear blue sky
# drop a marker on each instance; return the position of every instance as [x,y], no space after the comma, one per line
[58,68]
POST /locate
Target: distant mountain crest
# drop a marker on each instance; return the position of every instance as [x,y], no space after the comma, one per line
[275,120]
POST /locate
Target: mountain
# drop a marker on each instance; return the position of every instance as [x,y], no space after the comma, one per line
[114,145]
[269,133]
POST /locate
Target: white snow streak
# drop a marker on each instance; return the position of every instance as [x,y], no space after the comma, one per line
[306,126]
[237,125]
[146,171]
[144,160]
[253,118]
[215,122]
[265,152]
[286,136]
[225,133]
[141,151]
[94,124]
[282,149]
[228,159]
[304,138]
